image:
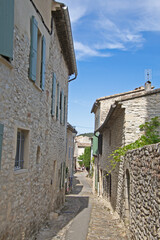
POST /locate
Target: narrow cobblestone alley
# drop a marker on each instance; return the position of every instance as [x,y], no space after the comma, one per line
[84,216]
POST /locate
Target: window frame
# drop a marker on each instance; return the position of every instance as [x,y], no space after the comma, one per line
[25,150]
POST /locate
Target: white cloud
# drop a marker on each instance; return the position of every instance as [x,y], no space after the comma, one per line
[110,25]
[84,50]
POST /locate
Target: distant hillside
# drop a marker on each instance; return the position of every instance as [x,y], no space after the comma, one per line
[86,134]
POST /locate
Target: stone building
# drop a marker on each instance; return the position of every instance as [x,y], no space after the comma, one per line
[119,127]
[37,61]
[101,109]
[70,160]
[81,142]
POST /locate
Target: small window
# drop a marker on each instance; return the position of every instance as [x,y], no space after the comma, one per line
[100,142]
[57,106]
[38,157]
[62,107]
[53,96]
[64,113]
[21,158]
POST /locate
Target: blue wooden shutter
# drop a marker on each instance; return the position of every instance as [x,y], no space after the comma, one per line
[64,112]
[43,63]
[57,107]
[1,139]
[53,94]
[62,106]
[33,49]
[6,27]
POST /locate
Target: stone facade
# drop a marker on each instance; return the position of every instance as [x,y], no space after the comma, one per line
[70,160]
[29,194]
[121,127]
[140,197]
[102,105]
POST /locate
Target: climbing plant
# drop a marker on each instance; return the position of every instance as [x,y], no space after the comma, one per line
[150,136]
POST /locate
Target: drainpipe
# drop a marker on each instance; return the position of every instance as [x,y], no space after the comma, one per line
[70,80]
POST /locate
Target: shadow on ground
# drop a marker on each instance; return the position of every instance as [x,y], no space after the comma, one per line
[74,204]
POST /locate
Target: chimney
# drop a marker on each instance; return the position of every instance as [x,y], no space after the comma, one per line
[148,86]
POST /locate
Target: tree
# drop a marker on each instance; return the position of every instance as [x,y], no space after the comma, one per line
[87,158]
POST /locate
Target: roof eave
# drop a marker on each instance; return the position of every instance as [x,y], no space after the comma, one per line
[63,28]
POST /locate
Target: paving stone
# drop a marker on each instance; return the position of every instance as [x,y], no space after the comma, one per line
[104,224]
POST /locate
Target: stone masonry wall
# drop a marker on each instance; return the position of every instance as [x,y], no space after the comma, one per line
[27,196]
[112,139]
[144,195]
[137,111]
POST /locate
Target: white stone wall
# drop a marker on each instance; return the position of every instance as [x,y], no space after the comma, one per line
[27,196]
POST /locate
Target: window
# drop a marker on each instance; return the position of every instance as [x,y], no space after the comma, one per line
[38,157]
[37,55]
[100,143]
[6,27]
[61,106]
[57,106]
[1,139]
[64,113]
[22,148]
[53,94]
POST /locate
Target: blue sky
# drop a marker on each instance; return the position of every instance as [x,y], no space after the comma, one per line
[115,41]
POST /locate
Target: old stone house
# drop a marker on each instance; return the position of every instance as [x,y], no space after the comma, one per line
[101,109]
[70,160]
[37,61]
[121,127]
[81,142]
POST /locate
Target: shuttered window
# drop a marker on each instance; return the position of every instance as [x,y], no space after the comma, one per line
[53,95]
[61,106]
[33,49]
[6,28]
[43,66]
[37,55]
[1,140]
[57,106]
[64,113]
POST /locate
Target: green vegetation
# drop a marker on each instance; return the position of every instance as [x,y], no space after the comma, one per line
[87,135]
[85,158]
[150,136]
